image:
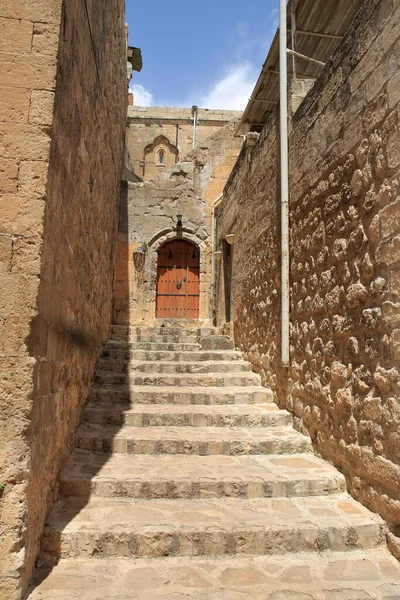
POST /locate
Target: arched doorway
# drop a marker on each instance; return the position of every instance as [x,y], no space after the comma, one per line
[178,280]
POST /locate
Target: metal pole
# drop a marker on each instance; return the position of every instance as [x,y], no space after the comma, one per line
[194,115]
[216,203]
[177,143]
[313,60]
[284,162]
[293,35]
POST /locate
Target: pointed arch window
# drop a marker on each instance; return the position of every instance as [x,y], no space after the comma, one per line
[161,157]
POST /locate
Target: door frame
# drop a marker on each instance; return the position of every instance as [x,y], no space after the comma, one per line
[189,235]
[193,248]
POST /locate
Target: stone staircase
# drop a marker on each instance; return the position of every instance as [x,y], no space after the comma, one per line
[187,482]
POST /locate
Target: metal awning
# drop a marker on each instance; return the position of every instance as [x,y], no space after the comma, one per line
[320,25]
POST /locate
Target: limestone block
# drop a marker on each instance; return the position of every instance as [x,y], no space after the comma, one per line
[41,107]
[21,215]
[15,35]
[45,39]
[33,178]
[14,104]
[8,175]
[388,253]
[32,10]
[37,72]
[23,142]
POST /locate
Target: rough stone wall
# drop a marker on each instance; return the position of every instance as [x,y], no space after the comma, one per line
[61,148]
[155,127]
[28,55]
[148,218]
[343,385]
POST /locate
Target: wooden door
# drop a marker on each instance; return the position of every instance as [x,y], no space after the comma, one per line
[178,281]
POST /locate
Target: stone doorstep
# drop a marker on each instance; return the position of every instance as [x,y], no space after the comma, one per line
[184,396]
[127,527]
[166,476]
[230,415]
[191,440]
[121,366]
[341,576]
[160,355]
[179,379]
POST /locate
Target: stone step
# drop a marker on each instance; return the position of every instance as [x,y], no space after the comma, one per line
[175,415]
[258,476]
[207,396]
[160,334]
[189,379]
[114,345]
[191,440]
[207,366]
[126,527]
[356,575]
[156,338]
[179,356]
[138,332]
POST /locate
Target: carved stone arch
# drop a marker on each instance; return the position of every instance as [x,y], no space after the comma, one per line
[167,235]
[161,142]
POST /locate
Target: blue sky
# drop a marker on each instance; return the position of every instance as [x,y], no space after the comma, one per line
[207,52]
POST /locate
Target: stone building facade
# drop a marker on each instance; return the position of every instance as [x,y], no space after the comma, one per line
[69,265]
[63,97]
[344,378]
[148,219]
[158,136]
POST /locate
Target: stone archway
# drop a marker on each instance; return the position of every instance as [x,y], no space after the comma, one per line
[185,235]
[178,280]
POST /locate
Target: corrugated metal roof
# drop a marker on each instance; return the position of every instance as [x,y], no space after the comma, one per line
[330,17]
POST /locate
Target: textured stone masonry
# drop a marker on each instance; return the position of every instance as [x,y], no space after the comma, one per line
[343,384]
[151,128]
[148,219]
[62,115]
[231,491]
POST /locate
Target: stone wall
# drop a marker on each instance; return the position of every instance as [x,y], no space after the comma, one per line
[344,381]
[28,55]
[63,106]
[148,218]
[170,129]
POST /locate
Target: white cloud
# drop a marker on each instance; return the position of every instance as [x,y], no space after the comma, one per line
[275,17]
[233,90]
[142,97]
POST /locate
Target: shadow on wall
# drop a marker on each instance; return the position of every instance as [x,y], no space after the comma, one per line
[97,445]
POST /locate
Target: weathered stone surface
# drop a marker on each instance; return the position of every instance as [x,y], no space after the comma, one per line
[153,128]
[168,476]
[306,577]
[206,479]
[134,527]
[191,440]
[148,212]
[183,395]
[344,258]
[58,220]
